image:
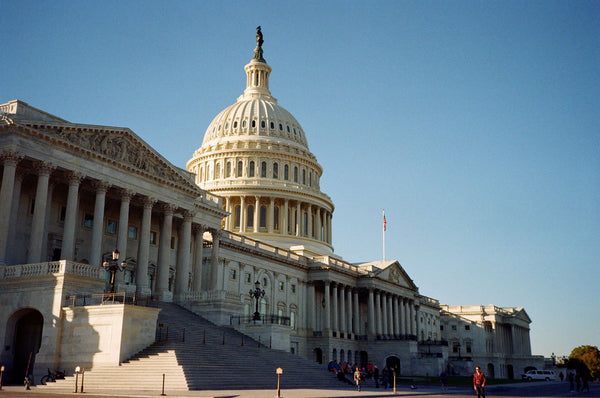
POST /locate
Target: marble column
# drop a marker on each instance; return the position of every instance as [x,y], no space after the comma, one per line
[396,317]
[327,320]
[198,257]
[356,315]
[141,274]
[371,314]
[312,310]
[256,213]
[98,226]
[214,260]
[390,316]
[309,221]
[68,241]
[378,314]
[284,227]
[182,271]
[384,315]
[298,219]
[342,326]
[39,212]
[164,253]
[10,160]
[349,328]
[334,300]
[242,219]
[123,229]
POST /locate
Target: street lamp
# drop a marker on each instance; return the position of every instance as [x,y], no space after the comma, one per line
[112,267]
[257,293]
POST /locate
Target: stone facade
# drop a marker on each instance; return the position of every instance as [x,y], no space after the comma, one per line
[248,209]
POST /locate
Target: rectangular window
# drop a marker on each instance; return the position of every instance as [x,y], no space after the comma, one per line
[281,285]
[152,237]
[88,220]
[467,327]
[232,273]
[247,277]
[293,288]
[111,227]
[455,346]
[453,327]
[132,232]
[468,347]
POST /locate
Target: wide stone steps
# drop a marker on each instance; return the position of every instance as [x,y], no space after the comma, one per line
[195,354]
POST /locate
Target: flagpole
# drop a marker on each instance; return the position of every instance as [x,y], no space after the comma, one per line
[384,222]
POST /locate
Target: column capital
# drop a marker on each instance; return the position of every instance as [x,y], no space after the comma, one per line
[188,215]
[167,208]
[126,194]
[43,168]
[11,157]
[101,186]
[74,178]
[216,233]
[198,228]
[149,202]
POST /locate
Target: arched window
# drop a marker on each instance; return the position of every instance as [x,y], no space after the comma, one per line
[228,170]
[217,171]
[201,174]
[304,176]
[251,169]
[240,168]
[276,218]
[295,174]
[263,217]
[286,172]
[263,169]
[250,217]
[275,170]
[237,216]
[334,356]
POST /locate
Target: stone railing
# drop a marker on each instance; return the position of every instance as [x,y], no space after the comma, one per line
[334,262]
[211,295]
[82,300]
[213,199]
[254,244]
[50,268]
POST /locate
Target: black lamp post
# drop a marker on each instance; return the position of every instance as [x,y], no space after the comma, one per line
[257,293]
[112,267]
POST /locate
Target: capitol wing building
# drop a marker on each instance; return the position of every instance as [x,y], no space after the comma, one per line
[247,216]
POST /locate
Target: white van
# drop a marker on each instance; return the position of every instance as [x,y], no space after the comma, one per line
[539,375]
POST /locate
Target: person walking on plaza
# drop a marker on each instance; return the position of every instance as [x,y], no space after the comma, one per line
[357,378]
[444,380]
[479,382]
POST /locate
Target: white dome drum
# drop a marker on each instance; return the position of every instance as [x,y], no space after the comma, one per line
[255,155]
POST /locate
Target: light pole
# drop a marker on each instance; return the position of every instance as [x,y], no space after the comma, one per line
[112,267]
[257,293]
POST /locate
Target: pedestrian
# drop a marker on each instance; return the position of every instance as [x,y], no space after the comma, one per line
[571,380]
[385,377]
[444,381]
[376,375]
[357,378]
[479,382]
[561,375]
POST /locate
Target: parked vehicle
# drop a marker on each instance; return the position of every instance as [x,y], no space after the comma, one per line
[539,375]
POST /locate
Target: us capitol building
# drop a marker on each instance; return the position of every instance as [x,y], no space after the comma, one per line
[248,208]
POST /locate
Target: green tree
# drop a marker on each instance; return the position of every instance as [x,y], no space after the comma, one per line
[589,356]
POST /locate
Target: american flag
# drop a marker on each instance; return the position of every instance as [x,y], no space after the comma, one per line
[384,221]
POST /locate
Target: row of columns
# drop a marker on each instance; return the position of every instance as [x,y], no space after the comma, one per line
[387,314]
[10,191]
[290,220]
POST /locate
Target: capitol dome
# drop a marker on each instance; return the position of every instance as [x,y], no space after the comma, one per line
[255,155]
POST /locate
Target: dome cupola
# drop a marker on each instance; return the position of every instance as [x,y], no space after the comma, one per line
[255,155]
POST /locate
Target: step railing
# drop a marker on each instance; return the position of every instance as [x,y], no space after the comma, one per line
[141,300]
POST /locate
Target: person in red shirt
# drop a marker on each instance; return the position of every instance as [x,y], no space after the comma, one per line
[479,383]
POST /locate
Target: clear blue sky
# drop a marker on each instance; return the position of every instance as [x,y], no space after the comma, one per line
[474,124]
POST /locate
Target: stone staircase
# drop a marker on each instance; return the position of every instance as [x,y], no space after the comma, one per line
[195,354]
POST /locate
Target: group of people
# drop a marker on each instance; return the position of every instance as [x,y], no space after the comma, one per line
[361,375]
[576,379]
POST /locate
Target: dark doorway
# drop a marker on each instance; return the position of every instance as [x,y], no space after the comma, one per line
[393,363]
[319,355]
[511,372]
[364,359]
[27,341]
[56,254]
[490,371]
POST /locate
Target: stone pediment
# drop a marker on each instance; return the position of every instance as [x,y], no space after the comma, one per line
[391,271]
[119,146]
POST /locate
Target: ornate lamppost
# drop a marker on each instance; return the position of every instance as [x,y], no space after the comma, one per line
[112,267]
[257,293]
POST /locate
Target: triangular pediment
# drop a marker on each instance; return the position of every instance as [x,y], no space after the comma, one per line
[116,145]
[390,271]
